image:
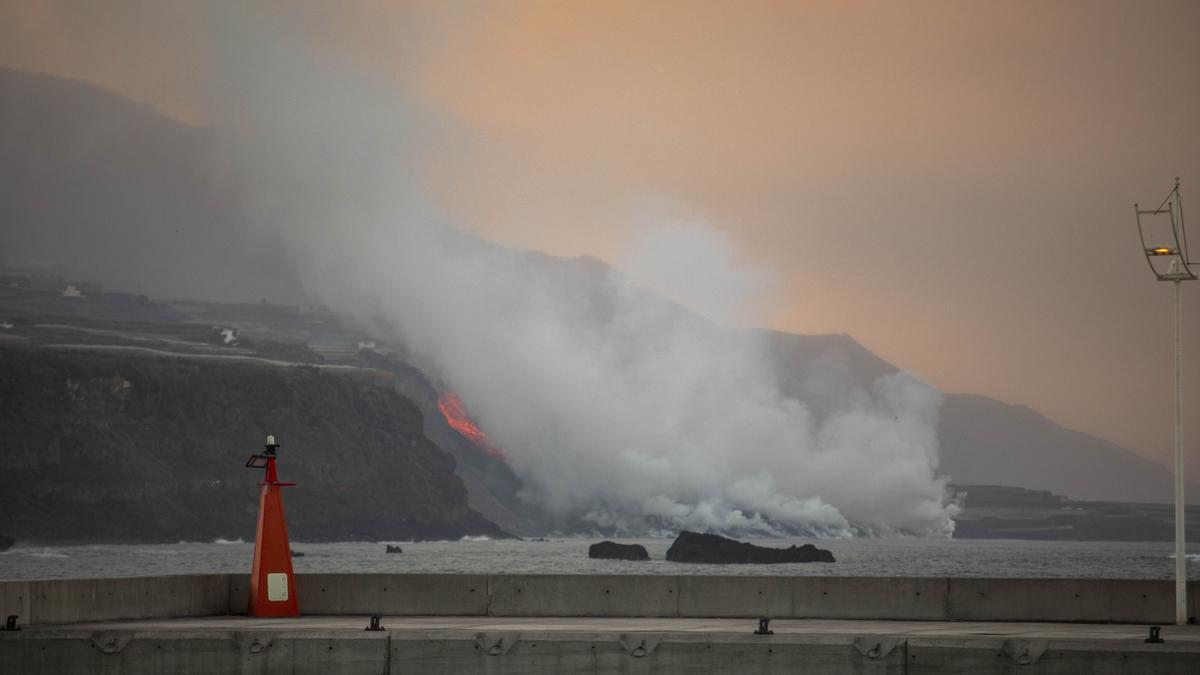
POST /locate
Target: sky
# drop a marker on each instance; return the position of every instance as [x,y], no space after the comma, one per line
[950,183]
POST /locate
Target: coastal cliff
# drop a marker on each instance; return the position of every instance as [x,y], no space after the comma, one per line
[139,449]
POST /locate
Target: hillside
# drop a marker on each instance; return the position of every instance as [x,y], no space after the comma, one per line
[84,171]
[73,187]
[986,441]
[103,447]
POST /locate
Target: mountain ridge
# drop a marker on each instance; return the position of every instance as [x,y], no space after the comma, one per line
[53,199]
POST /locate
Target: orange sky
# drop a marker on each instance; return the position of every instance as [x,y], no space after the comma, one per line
[949,182]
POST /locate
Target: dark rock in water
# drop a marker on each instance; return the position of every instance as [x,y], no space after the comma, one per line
[611,550]
[297,554]
[394,549]
[6,542]
[713,549]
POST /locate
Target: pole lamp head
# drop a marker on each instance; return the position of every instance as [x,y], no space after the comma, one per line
[1168,261]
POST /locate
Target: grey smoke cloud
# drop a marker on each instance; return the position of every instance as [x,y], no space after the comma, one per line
[614,404]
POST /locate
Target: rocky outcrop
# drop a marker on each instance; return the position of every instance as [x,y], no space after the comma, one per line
[691,547]
[393,549]
[6,542]
[611,550]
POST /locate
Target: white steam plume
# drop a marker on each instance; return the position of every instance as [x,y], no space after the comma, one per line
[614,404]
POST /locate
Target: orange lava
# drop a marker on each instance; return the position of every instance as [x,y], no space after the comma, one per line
[451,407]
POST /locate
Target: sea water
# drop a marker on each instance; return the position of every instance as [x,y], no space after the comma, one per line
[855,557]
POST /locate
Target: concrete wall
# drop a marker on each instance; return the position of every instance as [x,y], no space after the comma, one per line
[814,597]
[14,599]
[571,595]
[1070,600]
[532,652]
[642,653]
[394,594]
[699,654]
[212,652]
[941,599]
[75,600]
[1005,656]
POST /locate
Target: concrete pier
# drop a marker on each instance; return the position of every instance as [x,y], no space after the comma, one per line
[329,645]
[599,624]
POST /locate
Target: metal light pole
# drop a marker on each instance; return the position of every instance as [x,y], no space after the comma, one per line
[1178,271]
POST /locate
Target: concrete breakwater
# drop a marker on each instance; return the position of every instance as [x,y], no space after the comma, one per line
[61,601]
[490,645]
[598,624]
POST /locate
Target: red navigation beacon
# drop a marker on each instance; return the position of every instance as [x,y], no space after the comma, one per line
[272,583]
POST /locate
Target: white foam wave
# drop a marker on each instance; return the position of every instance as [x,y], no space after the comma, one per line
[45,553]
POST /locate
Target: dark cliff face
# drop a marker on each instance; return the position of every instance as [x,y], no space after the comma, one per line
[119,448]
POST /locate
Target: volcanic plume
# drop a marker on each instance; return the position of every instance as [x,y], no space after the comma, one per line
[614,405]
[452,408]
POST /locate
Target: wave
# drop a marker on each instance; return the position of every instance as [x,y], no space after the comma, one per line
[482,537]
[44,553]
[221,540]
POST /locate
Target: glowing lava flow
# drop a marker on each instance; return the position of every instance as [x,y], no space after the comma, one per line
[451,407]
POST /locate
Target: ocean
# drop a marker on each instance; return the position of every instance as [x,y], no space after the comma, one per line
[855,557]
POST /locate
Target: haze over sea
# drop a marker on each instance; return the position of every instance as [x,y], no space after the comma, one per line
[855,557]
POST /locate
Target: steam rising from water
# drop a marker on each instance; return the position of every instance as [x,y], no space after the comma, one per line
[613,404]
